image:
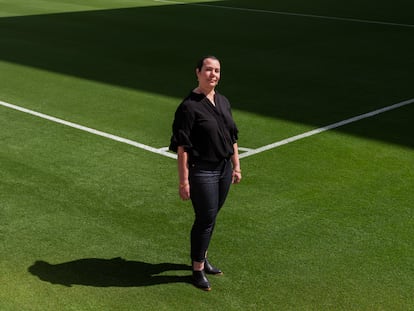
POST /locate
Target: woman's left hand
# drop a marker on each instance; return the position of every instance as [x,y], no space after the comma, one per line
[236,177]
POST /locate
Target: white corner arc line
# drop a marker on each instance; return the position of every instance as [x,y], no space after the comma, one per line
[345,19]
[89,130]
[325,128]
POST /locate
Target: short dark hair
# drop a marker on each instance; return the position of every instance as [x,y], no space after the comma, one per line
[200,63]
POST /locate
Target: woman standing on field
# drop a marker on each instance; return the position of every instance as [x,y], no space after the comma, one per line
[205,139]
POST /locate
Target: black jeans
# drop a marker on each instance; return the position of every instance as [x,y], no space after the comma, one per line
[209,186]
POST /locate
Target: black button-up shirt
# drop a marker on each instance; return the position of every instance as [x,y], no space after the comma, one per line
[205,131]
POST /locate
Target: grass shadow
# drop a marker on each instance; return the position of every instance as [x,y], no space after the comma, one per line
[308,71]
[115,272]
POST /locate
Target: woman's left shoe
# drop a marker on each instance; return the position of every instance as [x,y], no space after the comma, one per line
[209,269]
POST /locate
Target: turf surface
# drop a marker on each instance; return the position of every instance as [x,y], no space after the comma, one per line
[324,223]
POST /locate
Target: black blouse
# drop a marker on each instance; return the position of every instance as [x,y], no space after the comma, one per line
[205,131]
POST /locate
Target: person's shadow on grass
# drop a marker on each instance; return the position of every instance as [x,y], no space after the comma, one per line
[116,272]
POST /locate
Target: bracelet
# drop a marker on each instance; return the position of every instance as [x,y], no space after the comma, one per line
[237,171]
[184,185]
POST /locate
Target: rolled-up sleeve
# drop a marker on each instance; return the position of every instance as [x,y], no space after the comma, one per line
[181,129]
[234,132]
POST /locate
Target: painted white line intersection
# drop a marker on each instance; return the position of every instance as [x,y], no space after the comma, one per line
[246,152]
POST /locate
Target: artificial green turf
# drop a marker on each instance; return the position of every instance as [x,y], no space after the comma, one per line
[324,223]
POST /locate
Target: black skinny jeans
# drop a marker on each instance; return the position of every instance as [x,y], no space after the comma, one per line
[209,186]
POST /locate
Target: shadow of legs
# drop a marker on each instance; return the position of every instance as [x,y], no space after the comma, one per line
[108,272]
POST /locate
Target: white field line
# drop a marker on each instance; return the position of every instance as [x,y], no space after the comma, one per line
[248,151]
[325,128]
[90,130]
[345,19]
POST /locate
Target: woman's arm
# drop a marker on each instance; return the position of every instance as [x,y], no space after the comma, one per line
[236,164]
[184,186]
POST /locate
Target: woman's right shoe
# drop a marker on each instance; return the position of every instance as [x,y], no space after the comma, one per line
[200,280]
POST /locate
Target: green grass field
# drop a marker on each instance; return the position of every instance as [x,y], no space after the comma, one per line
[321,223]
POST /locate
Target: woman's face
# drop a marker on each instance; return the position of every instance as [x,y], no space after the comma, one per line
[209,75]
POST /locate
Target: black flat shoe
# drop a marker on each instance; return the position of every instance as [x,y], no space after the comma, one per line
[209,269]
[200,280]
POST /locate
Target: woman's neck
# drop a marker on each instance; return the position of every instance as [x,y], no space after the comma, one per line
[207,92]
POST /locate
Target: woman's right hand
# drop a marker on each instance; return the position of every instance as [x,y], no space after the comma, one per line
[184,191]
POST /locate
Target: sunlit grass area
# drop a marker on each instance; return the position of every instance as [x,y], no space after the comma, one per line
[322,223]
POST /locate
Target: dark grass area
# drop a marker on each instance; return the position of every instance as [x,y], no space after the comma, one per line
[311,71]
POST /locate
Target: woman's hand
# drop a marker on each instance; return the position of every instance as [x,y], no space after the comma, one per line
[236,176]
[184,191]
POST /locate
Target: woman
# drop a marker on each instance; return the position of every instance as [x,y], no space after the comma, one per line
[205,139]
